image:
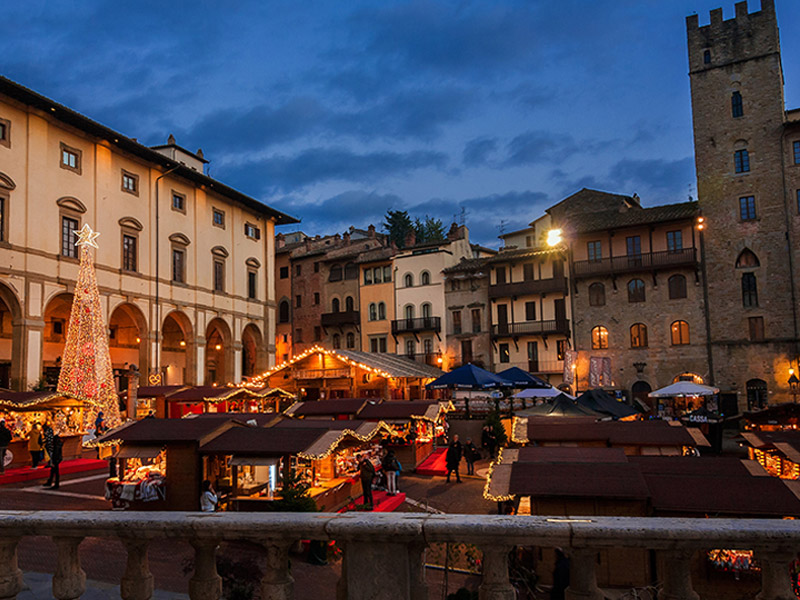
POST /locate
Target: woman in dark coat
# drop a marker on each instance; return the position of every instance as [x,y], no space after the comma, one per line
[453,458]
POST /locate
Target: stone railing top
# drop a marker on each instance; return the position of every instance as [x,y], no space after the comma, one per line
[573,532]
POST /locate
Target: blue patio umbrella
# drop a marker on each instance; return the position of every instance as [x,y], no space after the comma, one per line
[601,401]
[469,377]
[522,379]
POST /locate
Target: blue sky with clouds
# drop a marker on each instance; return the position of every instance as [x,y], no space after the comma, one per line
[338,111]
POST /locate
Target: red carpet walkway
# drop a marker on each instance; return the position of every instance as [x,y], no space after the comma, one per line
[383,502]
[78,465]
[434,464]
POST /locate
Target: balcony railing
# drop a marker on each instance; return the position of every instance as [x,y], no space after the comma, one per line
[417,325]
[320,373]
[647,261]
[530,328]
[427,358]
[391,549]
[524,288]
[338,319]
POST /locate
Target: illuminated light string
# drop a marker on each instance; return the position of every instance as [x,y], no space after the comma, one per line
[379,426]
[486,493]
[519,423]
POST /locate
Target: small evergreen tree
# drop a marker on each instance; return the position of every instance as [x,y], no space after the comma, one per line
[429,230]
[494,421]
[398,225]
[294,496]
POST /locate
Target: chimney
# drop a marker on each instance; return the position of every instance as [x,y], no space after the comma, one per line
[200,153]
[371,231]
[171,139]
[346,238]
[411,239]
[452,234]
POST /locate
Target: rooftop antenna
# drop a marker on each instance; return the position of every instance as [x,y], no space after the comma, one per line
[462,221]
[502,226]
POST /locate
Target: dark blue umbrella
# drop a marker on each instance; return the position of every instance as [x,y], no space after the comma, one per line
[522,379]
[468,377]
[561,406]
[601,401]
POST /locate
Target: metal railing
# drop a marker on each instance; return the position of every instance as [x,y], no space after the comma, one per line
[320,373]
[530,328]
[391,549]
[417,325]
[337,319]
[646,261]
[428,358]
[534,286]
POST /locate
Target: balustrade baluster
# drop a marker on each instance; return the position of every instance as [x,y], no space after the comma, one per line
[10,574]
[495,584]
[137,582]
[582,576]
[776,584]
[69,580]
[205,584]
[277,583]
[677,580]
[416,568]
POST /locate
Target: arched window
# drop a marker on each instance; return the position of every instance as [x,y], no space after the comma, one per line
[373,312]
[381,311]
[408,280]
[756,394]
[749,290]
[337,341]
[737,110]
[409,310]
[348,304]
[335,305]
[597,294]
[336,273]
[283,311]
[427,346]
[741,161]
[747,260]
[677,287]
[351,271]
[639,335]
[599,338]
[679,333]
[426,311]
[411,348]
[425,278]
[351,341]
[636,290]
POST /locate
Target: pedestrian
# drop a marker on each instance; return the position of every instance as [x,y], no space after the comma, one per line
[453,458]
[99,425]
[5,440]
[55,463]
[390,467]
[485,440]
[492,439]
[35,445]
[151,415]
[208,497]
[367,471]
[47,441]
[471,455]
[560,576]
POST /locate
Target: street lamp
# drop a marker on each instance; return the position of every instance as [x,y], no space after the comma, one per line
[793,381]
[554,237]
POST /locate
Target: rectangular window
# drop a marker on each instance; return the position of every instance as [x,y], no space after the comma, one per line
[476,320]
[756,328]
[70,159]
[674,241]
[316,267]
[530,311]
[251,231]
[533,356]
[561,349]
[595,251]
[633,245]
[747,208]
[456,322]
[69,227]
[219,275]
[5,133]
[466,351]
[284,273]
[178,265]
[367,276]
[298,336]
[317,333]
[798,200]
[298,270]
[129,253]
[316,298]
[58,327]
[373,344]
[500,275]
[796,148]
[130,182]
[218,218]
[3,219]
[378,274]
[387,274]
[178,202]
[298,301]
[505,356]
[528,241]
[741,161]
[527,271]
[252,281]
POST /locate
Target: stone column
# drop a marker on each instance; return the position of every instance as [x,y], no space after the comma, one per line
[237,363]
[200,362]
[10,574]
[416,565]
[377,570]
[776,584]
[69,580]
[137,582]
[677,579]
[33,352]
[205,584]
[277,583]
[582,577]
[341,585]
[495,584]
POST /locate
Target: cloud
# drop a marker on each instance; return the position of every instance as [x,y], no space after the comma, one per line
[659,175]
[477,152]
[537,147]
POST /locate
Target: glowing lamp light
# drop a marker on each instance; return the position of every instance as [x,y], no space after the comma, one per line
[554,237]
[218,347]
[440,360]
[183,344]
[138,340]
[701,223]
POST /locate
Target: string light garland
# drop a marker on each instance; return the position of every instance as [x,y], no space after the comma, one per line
[86,371]
[519,423]
[379,426]
[486,493]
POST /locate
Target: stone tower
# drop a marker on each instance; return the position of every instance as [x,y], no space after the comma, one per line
[743,141]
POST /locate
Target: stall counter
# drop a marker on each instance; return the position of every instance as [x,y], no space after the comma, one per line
[22,457]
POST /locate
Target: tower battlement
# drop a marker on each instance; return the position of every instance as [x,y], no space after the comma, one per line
[721,42]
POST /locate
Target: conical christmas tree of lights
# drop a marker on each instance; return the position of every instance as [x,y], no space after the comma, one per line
[86,371]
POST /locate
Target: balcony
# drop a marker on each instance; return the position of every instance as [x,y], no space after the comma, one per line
[320,373]
[648,261]
[426,358]
[340,319]
[556,285]
[531,328]
[391,549]
[400,326]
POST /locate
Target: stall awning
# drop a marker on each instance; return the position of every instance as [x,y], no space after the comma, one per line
[253,461]
[138,452]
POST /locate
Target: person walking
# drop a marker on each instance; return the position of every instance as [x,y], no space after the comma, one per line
[47,441]
[35,445]
[99,425]
[208,497]
[5,440]
[453,458]
[390,467]
[471,454]
[55,463]
[485,440]
[367,472]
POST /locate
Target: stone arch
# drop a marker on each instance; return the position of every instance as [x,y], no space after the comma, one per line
[56,320]
[6,182]
[128,338]
[12,371]
[747,259]
[640,391]
[71,203]
[254,355]
[178,349]
[219,353]
[131,223]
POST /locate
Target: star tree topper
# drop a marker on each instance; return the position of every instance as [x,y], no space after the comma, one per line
[87,237]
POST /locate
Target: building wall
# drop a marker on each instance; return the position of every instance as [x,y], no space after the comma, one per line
[375,293]
[470,293]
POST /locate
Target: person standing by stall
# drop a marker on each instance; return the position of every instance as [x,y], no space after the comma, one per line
[367,472]
[5,440]
[35,445]
[47,441]
[453,458]
[55,463]
[208,497]
[100,425]
[471,454]
[390,467]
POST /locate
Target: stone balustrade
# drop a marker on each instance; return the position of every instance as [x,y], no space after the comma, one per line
[384,554]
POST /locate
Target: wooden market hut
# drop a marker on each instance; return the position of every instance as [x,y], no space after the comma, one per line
[339,408]
[773,418]
[321,374]
[777,451]
[152,399]
[212,399]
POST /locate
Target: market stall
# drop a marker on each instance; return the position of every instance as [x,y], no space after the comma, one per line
[339,409]
[212,399]
[142,478]
[684,397]
[152,400]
